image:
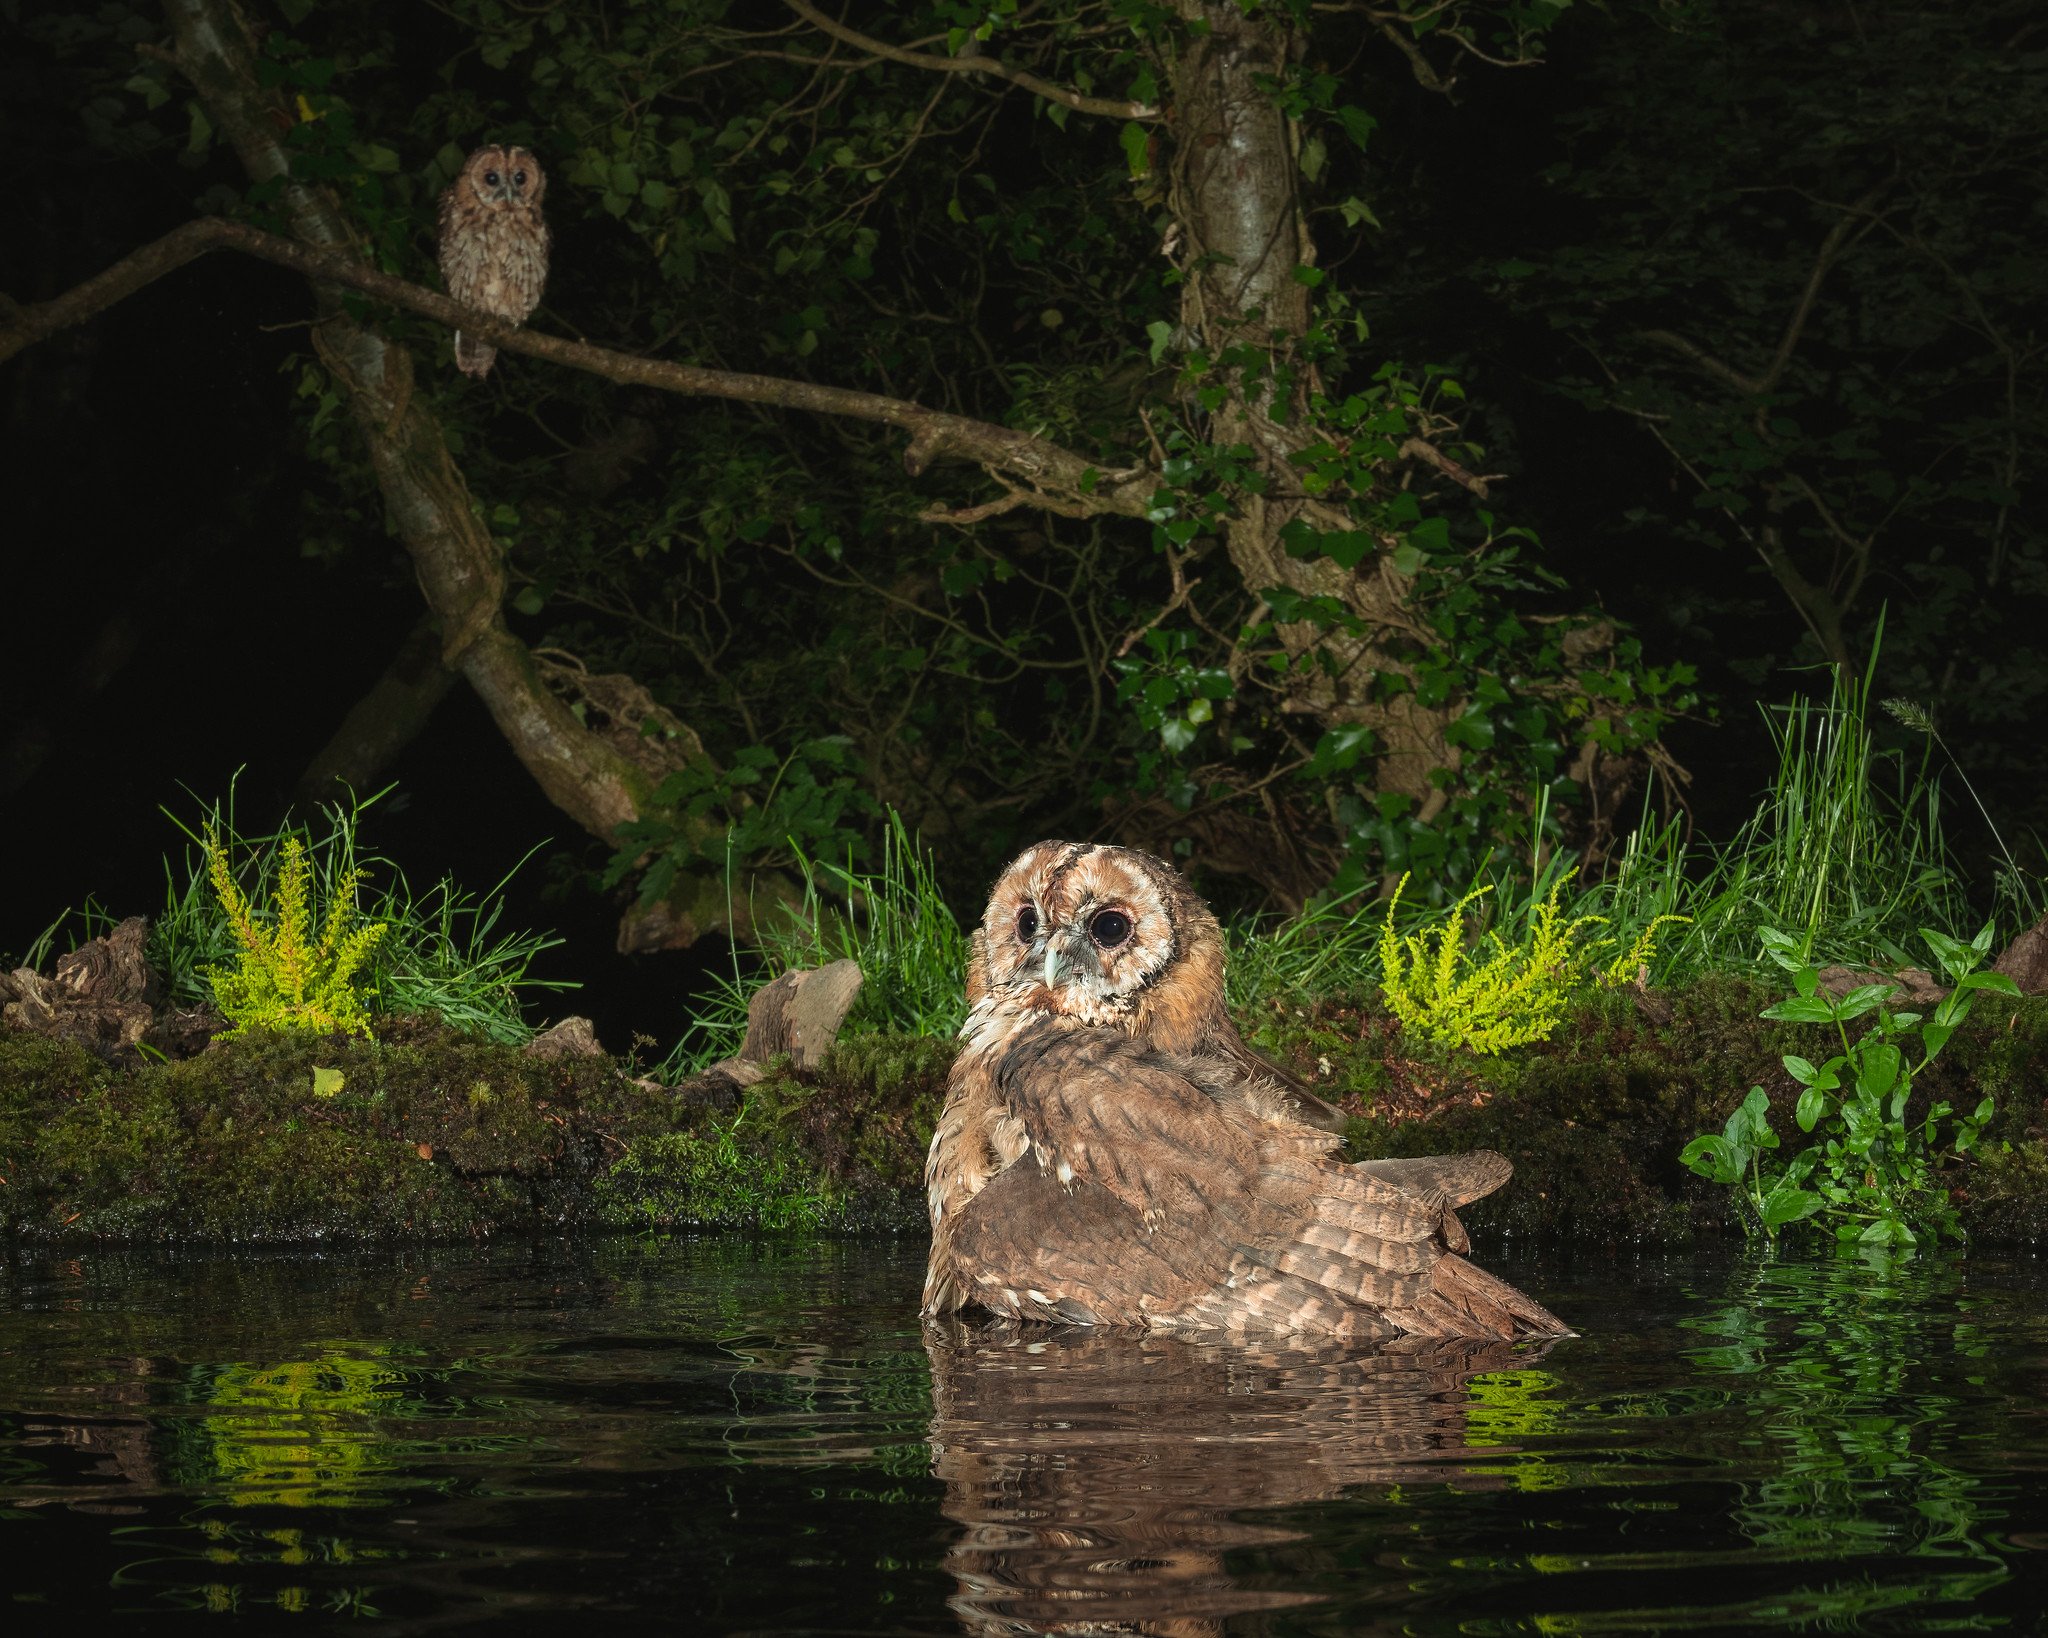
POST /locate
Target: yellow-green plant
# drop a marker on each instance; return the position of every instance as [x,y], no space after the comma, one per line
[1499,994]
[283,978]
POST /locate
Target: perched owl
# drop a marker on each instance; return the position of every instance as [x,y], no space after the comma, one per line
[1112,1153]
[494,244]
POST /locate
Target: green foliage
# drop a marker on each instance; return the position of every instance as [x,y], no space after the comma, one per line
[763,808]
[2024,891]
[280,980]
[443,954]
[1505,992]
[1326,950]
[1875,1176]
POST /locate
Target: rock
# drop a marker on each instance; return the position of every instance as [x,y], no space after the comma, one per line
[719,1087]
[571,1038]
[2025,960]
[800,1014]
[1649,1003]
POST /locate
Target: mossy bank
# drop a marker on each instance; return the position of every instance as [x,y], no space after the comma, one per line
[433,1135]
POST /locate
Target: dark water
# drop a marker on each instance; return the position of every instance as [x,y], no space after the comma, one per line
[723,1436]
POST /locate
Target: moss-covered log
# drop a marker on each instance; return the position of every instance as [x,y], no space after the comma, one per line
[435,1136]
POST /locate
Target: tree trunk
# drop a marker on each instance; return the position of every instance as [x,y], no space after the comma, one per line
[1236,196]
[584,773]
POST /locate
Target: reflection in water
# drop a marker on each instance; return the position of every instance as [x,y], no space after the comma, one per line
[1100,1478]
[758,1437]
[1833,1359]
[304,1433]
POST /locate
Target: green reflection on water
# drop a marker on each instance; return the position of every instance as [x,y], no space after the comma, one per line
[1842,1392]
[303,1433]
[1846,1366]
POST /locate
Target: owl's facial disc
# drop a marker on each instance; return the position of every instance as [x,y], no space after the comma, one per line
[1080,930]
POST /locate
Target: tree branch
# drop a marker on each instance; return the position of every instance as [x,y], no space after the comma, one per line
[1055,479]
[1106,107]
[1855,220]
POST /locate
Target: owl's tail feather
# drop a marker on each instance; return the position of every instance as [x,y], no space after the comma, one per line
[473,357]
[1465,1301]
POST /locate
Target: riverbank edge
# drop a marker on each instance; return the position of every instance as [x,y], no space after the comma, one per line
[430,1135]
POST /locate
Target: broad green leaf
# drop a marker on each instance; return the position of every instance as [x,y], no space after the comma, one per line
[1877,1068]
[1786,1205]
[326,1082]
[1801,1010]
[1137,146]
[1712,1158]
[1861,999]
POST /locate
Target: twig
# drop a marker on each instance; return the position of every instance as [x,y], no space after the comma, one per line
[1104,106]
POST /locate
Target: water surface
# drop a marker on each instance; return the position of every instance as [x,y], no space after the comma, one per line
[738,1436]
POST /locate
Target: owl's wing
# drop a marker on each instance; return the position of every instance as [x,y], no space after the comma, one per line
[1145,1199]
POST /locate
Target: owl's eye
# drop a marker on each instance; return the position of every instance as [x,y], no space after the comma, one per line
[1110,929]
[490,179]
[1027,923]
[518,179]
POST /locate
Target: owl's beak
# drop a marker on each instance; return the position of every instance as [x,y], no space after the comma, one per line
[1066,953]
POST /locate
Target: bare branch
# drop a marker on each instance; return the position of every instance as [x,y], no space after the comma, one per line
[1052,478]
[1855,221]
[1107,107]
[1420,449]
[1707,362]
[1420,66]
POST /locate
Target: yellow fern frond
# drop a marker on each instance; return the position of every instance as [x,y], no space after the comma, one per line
[1496,994]
[282,979]
[1631,962]
[241,915]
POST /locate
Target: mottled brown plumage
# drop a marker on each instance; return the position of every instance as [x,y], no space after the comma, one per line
[1112,1153]
[494,243]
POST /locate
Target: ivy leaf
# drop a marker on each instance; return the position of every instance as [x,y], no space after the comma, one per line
[1137,146]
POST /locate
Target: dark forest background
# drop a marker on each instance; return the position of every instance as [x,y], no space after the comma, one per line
[1741,305]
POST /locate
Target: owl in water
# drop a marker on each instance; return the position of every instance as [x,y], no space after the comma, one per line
[494,243]
[1112,1153]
